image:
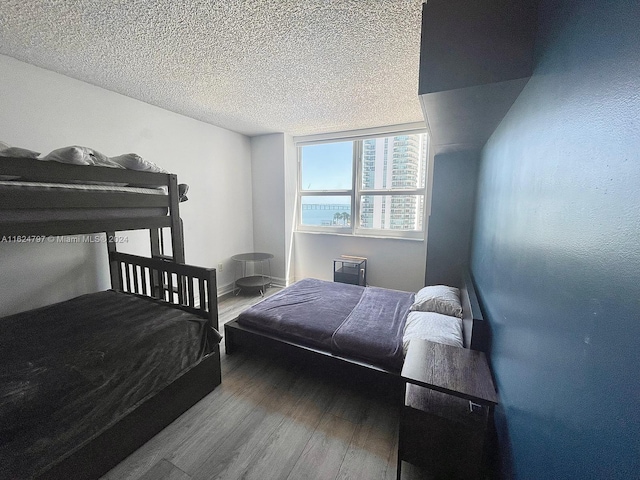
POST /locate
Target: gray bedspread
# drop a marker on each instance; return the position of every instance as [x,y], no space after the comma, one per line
[363,323]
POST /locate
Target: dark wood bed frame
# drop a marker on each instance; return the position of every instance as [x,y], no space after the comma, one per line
[165,278]
[240,337]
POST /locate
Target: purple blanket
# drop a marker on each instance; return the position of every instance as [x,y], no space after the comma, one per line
[375,326]
[353,321]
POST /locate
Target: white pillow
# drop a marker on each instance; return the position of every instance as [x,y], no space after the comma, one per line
[7,150]
[80,156]
[433,327]
[439,299]
[136,162]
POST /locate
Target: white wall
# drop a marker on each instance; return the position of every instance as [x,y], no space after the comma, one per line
[267,166]
[273,160]
[391,263]
[42,110]
[291,193]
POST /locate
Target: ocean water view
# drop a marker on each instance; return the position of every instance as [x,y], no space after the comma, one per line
[326,214]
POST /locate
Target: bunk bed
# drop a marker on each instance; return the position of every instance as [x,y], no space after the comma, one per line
[87,381]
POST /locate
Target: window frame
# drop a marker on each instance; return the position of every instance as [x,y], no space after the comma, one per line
[356,192]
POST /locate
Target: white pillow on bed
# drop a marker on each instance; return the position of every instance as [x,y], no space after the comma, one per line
[438,299]
[133,161]
[80,156]
[434,327]
[7,150]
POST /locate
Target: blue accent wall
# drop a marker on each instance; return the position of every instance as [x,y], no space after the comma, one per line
[455,175]
[556,250]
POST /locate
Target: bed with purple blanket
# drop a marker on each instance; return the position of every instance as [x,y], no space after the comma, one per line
[336,323]
[332,317]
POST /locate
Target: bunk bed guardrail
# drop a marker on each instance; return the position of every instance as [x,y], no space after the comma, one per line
[188,287]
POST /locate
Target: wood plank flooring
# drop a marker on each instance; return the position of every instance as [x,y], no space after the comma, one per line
[273,420]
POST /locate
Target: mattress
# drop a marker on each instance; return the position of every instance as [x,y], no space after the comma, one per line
[70,370]
[61,214]
[363,323]
[23,189]
[18,186]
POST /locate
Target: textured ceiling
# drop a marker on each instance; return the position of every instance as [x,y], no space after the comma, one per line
[253,66]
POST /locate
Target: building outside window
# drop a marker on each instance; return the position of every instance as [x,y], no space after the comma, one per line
[374,186]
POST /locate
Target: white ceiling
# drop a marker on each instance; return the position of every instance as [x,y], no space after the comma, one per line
[253,66]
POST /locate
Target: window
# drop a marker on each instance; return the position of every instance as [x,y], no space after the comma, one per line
[374,186]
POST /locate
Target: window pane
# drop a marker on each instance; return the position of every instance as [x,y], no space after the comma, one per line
[392,212]
[326,211]
[328,166]
[397,162]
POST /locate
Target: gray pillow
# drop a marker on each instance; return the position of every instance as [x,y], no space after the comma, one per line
[439,299]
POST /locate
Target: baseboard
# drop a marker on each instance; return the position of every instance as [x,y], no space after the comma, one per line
[225,291]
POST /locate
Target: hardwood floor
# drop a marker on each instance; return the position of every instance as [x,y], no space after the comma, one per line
[271,420]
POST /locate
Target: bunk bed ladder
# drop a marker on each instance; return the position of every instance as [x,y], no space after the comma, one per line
[159,250]
[158,247]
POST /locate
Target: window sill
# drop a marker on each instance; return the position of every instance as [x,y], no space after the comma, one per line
[353,235]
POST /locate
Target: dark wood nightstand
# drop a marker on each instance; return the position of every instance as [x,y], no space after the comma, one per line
[448,404]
